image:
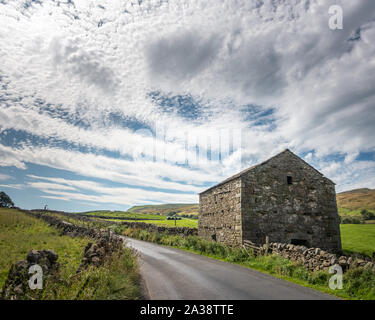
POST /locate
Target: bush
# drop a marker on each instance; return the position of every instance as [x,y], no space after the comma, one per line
[360,282]
[351,220]
[367,215]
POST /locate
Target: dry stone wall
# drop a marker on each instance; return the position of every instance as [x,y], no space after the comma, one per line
[67,228]
[316,259]
[99,253]
[16,285]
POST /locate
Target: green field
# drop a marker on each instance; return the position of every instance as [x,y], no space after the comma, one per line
[358,238]
[143,217]
[348,212]
[189,223]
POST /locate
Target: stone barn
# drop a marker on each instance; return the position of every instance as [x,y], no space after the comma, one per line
[284,198]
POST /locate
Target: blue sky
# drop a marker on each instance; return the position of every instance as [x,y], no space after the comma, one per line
[109,104]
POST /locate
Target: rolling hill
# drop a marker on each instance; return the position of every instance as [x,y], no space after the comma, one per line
[349,202]
[165,209]
[357,199]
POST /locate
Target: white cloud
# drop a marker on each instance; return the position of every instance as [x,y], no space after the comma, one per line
[352,176]
[12,186]
[115,195]
[4,177]
[88,63]
[50,186]
[147,174]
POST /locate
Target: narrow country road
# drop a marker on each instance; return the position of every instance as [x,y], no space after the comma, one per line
[170,273]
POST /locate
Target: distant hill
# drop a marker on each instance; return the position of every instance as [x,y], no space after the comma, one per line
[165,209]
[357,199]
[348,202]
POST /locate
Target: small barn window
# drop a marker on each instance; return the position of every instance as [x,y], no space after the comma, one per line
[213,237]
[289,179]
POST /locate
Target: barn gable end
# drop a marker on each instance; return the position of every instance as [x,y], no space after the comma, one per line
[283,198]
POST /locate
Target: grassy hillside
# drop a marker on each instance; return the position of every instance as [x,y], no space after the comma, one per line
[356,200]
[19,233]
[351,203]
[165,209]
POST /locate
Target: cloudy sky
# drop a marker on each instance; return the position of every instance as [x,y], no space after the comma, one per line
[109,104]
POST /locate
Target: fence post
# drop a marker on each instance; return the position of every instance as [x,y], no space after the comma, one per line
[267,244]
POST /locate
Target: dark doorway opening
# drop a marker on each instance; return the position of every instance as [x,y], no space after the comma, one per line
[289,179]
[300,242]
[213,237]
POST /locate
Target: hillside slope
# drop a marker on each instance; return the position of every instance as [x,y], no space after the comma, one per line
[353,200]
[165,209]
[357,199]
[348,201]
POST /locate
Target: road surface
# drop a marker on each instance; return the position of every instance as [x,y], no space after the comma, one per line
[170,273]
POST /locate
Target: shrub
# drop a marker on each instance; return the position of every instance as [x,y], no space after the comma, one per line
[367,215]
[237,255]
[360,282]
[351,220]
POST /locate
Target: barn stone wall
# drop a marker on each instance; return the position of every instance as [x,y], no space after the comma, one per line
[220,213]
[303,212]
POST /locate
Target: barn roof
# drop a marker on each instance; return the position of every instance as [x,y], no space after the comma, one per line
[258,165]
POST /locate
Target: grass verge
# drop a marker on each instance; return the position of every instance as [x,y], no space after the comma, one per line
[19,233]
[118,279]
